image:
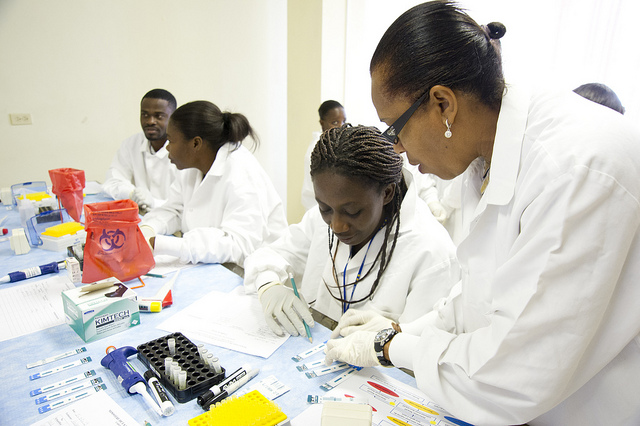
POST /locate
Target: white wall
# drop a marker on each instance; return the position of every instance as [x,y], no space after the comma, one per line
[80,68]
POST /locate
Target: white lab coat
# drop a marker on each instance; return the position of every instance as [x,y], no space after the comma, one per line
[223,217]
[425,183]
[135,166]
[422,269]
[545,326]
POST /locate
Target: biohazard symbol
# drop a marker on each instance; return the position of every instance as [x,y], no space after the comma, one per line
[111,240]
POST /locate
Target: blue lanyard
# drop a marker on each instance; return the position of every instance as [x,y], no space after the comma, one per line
[345,304]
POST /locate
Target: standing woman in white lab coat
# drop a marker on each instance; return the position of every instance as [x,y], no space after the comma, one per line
[371,242]
[222,200]
[546,327]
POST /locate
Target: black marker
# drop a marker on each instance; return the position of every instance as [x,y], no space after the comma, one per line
[159,393]
[219,388]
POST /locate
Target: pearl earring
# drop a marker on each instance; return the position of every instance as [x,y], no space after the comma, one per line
[447,133]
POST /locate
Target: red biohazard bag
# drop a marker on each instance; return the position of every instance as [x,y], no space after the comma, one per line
[115,245]
[68,185]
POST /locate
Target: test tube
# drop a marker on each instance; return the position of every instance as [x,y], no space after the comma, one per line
[172,346]
[175,369]
[182,380]
[167,366]
[208,361]
[215,362]
[203,355]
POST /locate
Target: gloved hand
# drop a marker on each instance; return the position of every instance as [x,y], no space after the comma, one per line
[355,349]
[281,303]
[359,320]
[142,197]
[438,211]
[148,233]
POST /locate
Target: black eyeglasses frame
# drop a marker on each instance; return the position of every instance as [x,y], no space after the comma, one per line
[391,134]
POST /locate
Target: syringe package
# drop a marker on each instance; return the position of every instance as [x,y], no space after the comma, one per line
[199,376]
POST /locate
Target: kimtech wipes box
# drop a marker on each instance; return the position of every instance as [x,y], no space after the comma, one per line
[101,309]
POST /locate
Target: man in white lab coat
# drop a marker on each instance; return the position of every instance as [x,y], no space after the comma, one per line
[141,169]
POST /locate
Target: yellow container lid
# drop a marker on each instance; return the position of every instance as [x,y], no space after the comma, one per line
[36,196]
[62,229]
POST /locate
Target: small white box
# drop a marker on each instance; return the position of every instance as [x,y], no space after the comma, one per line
[346,414]
[18,241]
[73,269]
[61,243]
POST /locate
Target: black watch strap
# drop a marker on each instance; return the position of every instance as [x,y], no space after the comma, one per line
[382,338]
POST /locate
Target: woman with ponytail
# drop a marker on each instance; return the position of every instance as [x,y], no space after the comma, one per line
[222,200]
[544,327]
[371,243]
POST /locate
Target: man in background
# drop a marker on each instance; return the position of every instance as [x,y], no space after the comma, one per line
[601,94]
[141,169]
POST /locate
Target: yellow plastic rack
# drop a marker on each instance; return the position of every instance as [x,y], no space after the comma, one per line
[251,409]
[35,196]
[62,229]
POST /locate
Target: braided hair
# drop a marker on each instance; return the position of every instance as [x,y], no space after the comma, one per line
[362,153]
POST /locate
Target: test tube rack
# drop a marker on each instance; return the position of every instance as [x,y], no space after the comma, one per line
[199,376]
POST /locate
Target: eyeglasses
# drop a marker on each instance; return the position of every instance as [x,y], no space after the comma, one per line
[391,133]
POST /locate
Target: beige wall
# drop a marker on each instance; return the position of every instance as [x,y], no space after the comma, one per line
[80,67]
[303,99]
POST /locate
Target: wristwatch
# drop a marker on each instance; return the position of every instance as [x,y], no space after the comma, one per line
[382,338]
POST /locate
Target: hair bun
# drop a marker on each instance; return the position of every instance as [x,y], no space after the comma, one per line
[495,30]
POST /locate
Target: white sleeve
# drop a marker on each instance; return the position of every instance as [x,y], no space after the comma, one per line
[426,186]
[288,254]
[242,230]
[166,219]
[553,298]
[119,179]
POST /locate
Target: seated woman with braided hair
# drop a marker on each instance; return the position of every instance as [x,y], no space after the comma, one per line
[371,243]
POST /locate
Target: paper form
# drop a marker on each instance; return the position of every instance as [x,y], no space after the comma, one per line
[231,320]
[98,409]
[32,306]
[394,402]
[166,264]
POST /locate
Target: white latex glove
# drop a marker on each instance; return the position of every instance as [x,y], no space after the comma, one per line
[359,320]
[438,210]
[142,197]
[147,232]
[280,303]
[355,349]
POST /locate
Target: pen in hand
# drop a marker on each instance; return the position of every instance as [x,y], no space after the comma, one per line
[295,291]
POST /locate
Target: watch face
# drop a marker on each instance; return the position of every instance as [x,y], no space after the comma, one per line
[383,334]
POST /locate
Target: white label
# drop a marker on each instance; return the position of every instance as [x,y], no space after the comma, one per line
[32,272]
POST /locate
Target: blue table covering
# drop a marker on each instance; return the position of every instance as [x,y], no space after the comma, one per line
[17,407]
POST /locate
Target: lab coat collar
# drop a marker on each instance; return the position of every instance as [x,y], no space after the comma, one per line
[145,147]
[507,147]
[219,164]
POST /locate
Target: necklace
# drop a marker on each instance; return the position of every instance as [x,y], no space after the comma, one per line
[347,302]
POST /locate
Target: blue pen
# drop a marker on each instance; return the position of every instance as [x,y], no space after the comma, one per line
[35,271]
[295,290]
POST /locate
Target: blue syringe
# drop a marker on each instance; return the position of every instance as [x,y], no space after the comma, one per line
[35,271]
